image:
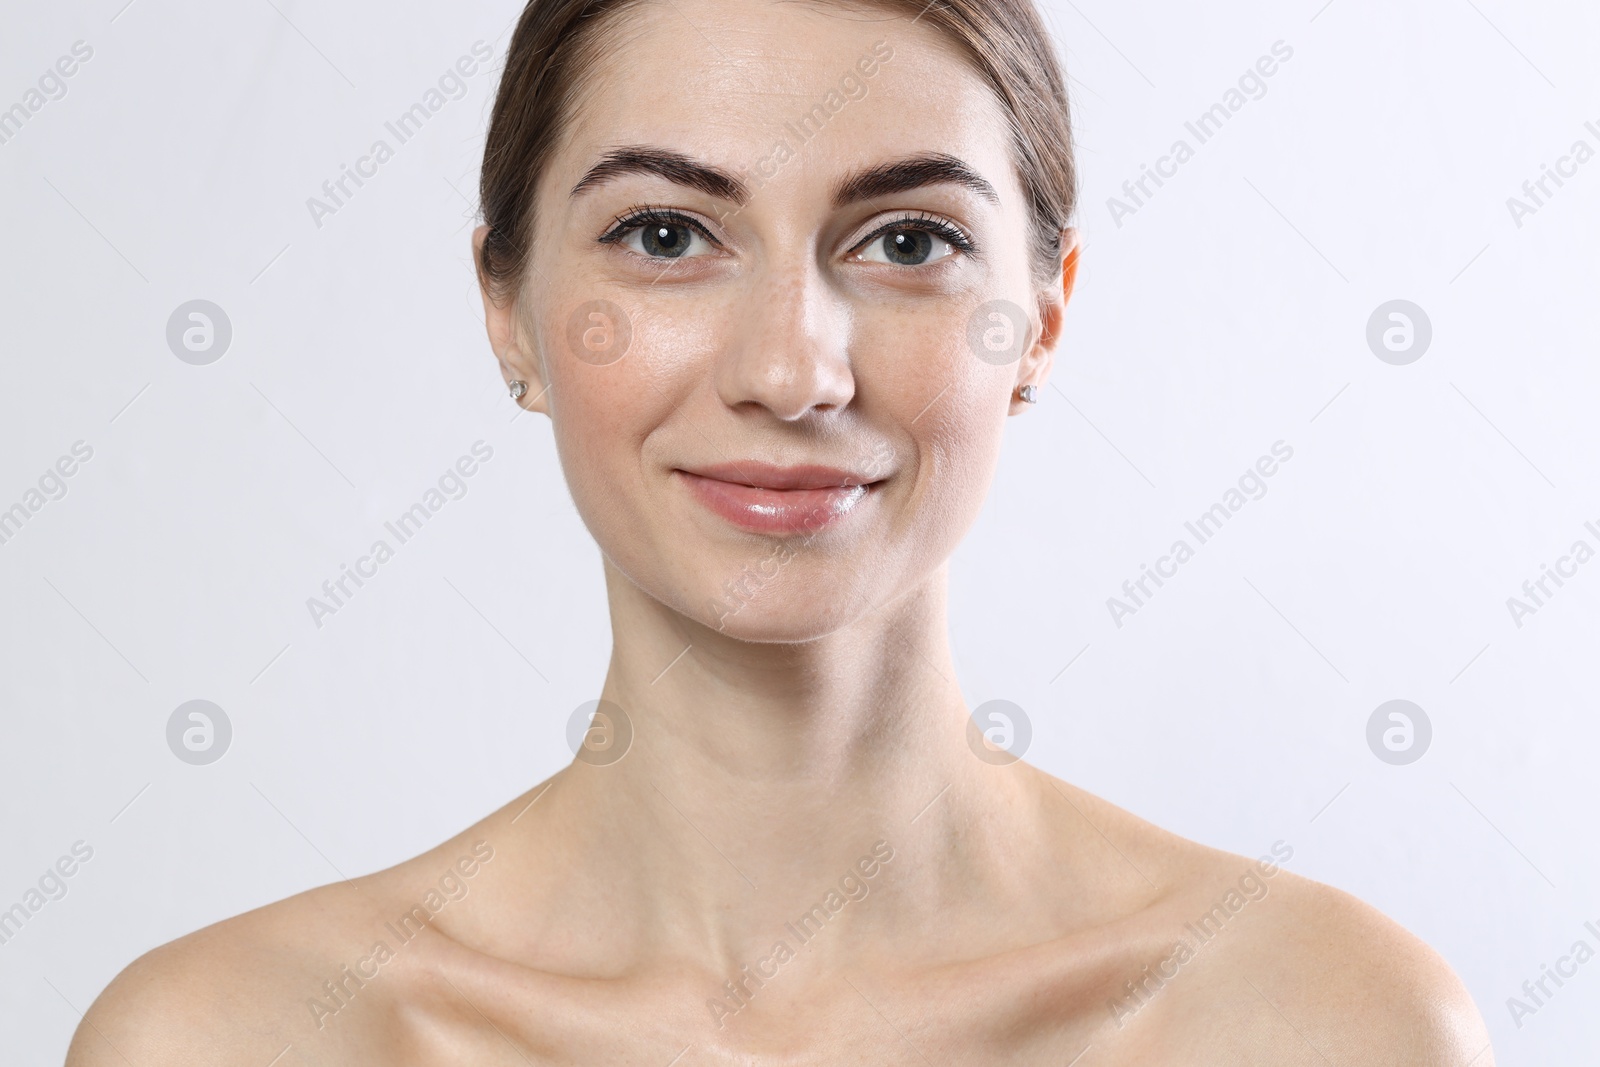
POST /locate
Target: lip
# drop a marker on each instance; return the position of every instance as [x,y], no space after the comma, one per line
[770,499]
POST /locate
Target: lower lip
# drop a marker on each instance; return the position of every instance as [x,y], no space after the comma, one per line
[776,511]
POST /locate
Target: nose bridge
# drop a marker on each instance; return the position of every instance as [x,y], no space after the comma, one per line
[790,350]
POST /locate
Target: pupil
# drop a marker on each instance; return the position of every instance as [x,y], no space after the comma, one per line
[668,241]
[908,247]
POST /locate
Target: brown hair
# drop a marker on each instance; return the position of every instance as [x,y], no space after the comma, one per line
[556,39]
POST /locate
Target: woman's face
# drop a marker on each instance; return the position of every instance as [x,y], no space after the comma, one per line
[759,308]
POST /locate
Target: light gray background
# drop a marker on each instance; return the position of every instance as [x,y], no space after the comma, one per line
[1226,314]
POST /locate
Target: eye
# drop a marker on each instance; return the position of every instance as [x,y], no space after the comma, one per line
[660,234]
[913,242]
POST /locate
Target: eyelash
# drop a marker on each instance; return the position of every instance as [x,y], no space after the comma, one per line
[648,214]
[940,228]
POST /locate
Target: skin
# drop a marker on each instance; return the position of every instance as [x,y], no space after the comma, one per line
[821,717]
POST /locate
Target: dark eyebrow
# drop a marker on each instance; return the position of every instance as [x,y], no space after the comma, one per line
[673,166]
[914,172]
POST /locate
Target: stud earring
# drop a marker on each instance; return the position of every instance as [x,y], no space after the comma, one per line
[519,389]
[1029,394]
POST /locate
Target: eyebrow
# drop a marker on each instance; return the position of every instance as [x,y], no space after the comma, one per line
[902,175]
[914,172]
[673,166]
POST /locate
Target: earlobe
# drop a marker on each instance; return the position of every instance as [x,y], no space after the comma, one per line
[524,383]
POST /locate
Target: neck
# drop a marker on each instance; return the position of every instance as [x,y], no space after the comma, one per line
[760,774]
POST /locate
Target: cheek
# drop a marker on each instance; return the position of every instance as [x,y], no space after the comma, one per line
[620,425]
[596,414]
[918,380]
[605,411]
[918,376]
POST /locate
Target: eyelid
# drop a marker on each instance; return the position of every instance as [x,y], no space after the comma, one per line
[939,226]
[643,214]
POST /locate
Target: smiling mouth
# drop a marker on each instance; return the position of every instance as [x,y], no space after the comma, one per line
[777,500]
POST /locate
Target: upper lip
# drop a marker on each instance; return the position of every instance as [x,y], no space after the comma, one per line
[769,476]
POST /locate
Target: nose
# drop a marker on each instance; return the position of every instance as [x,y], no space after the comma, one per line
[789,352]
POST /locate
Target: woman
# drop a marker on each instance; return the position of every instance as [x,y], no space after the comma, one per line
[778,271]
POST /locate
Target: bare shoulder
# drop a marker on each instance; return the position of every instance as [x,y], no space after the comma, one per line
[1371,990]
[331,971]
[221,995]
[1258,963]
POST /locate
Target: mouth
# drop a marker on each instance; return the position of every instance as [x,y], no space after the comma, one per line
[768,499]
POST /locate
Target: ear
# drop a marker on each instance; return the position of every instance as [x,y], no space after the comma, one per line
[1034,367]
[500,319]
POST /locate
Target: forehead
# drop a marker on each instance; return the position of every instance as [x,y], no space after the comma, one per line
[837,85]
